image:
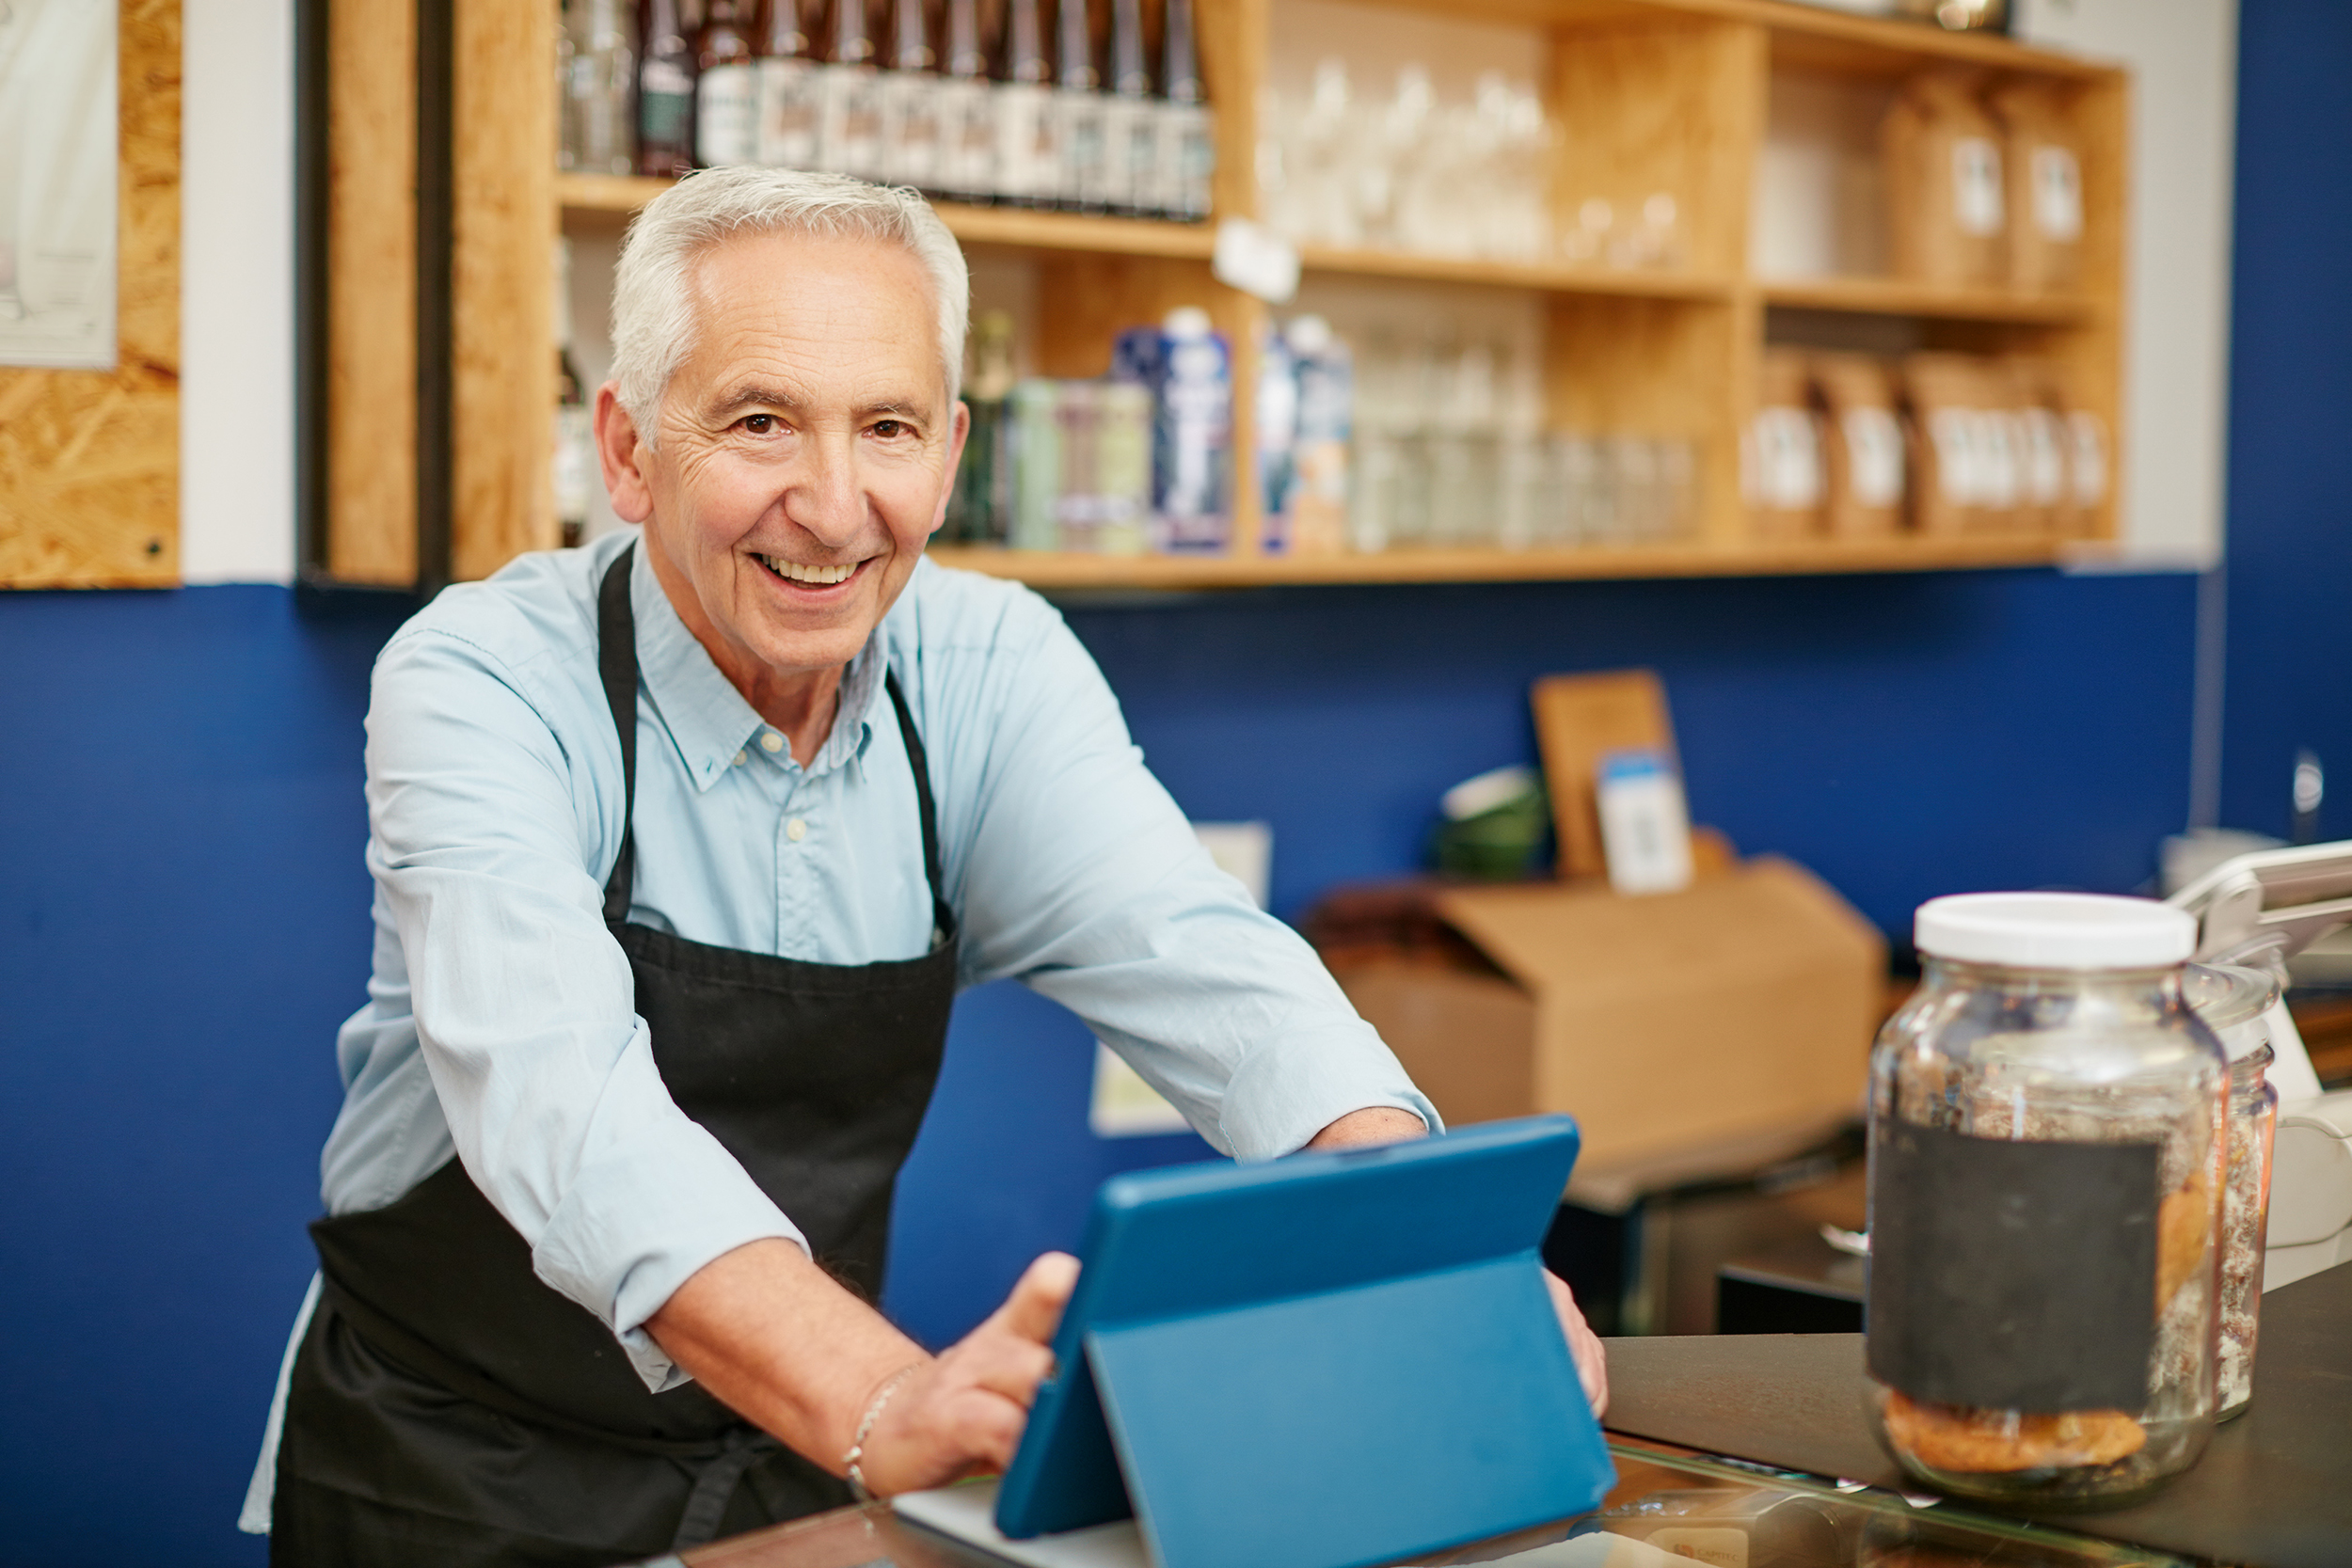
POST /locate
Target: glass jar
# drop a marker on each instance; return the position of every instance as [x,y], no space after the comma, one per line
[2046,1158]
[2234,1003]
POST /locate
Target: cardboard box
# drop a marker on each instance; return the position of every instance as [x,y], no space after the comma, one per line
[1729,1016]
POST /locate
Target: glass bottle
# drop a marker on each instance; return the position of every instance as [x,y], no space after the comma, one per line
[1078,110]
[600,127]
[1027,160]
[2047,1149]
[665,94]
[911,124]
[1130,135]
[967,114]
[849,124]
[727,89]
[788,95]
[2234,1003]
[977,513]
[1186,154]
[574,465]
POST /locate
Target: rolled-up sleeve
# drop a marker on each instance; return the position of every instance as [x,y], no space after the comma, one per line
[481,837]
[1083,878]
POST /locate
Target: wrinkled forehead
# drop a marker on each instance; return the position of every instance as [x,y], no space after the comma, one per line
[819,299]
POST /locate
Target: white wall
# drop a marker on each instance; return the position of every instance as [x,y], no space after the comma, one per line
[236,291]
[2183,58]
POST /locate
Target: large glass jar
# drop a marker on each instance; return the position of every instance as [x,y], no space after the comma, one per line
[2235,1001]
[2046,1162]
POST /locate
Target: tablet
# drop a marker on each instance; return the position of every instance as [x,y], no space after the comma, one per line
[1408,1274]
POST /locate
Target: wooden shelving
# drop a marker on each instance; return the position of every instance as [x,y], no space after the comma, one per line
[1652,96]
[1895,296]
[1790,558]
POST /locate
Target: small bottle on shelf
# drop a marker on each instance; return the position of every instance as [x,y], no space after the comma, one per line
[1130,134]
[727,89]
[967,112]
[599,129]
[911,122]
[1078,112]
[1186,153]
[977,510]
[1026,157]
[665,94]
[787,88]
[574,465]
[850,134]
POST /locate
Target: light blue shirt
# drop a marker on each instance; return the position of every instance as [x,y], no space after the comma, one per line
[499,1022]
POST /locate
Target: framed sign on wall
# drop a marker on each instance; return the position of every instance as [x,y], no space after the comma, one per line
[89,295]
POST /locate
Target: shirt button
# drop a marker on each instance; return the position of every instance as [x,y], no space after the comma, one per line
[772,741]
[740,758]
[795,830]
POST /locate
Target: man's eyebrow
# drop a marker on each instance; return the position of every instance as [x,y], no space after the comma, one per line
[752,395]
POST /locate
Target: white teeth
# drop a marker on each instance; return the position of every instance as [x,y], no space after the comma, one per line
[792,571]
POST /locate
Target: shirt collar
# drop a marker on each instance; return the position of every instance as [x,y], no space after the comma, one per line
[707,719]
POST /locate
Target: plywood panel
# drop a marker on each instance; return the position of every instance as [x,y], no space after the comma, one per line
[502,278]
[89,460]
[1658,368]
[372,291]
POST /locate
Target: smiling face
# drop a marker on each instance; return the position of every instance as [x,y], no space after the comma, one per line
[802,455]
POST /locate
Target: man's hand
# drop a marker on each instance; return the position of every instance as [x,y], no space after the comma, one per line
[1584,1347]
[962,1412]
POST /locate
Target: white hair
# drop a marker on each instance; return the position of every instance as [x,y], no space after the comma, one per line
[654,303]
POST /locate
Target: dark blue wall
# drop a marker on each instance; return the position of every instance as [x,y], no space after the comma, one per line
[183,913]
[2290,509]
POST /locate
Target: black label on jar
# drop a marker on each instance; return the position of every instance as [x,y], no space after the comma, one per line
[2012,1275]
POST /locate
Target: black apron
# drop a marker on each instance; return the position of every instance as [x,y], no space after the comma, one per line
[447,1407]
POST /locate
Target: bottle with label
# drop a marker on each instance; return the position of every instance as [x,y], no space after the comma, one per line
[1026,157]
[787,88]
[978,512]
[1277,433]
[1319,451]
[1078,112]
[849,124]
[575,468]
[2048,1156]
[1034,449]
[727,89]
[911,122]
[1186,149]
[967,113]
[665,94]
[599,128]
[1130,131]
[1192,458]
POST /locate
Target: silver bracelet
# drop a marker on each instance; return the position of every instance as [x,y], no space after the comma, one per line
[855,1458]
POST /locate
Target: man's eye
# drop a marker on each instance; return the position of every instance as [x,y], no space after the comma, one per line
[759,424]
[890,430]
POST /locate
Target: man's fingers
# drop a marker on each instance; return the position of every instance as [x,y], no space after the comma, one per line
[1584,1346]
[1034,1309]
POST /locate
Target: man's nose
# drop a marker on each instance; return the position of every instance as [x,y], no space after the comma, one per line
[827,500]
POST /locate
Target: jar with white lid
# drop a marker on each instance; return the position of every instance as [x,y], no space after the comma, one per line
[2234,1001]
[2047,1139]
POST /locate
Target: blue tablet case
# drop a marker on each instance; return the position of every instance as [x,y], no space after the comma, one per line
[1327,1361]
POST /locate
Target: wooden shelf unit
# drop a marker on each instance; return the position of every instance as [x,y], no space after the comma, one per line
[1650,95]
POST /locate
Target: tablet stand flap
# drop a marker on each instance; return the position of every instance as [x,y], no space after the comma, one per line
[1354,1427]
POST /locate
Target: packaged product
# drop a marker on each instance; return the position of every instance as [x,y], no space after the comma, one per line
[2043,162]
[2083,437]
[1941,392]
[2039,430]
[1862,438]
[1780,455]
[1945,202]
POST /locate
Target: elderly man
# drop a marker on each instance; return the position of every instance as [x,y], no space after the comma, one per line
[683,843]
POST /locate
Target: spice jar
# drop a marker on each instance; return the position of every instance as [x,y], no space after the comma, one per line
[2234,1003]
[2046,1159]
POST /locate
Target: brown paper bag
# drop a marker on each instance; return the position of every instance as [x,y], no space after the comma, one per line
[1941,393]
[1947,204]
[1780,455]
[1863,442]
[2042,160]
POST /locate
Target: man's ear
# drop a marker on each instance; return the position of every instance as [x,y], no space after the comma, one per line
[622,455]
[958,433]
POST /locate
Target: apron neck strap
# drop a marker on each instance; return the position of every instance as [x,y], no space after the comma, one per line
[617,664]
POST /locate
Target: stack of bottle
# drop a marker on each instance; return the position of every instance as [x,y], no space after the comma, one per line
[1029,114]
[1465,179]
[1451,450]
